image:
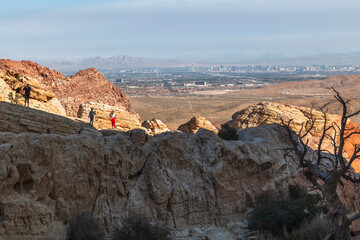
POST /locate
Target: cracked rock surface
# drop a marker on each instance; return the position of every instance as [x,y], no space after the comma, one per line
[197,183]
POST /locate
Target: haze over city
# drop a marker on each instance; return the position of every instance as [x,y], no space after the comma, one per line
[177,29]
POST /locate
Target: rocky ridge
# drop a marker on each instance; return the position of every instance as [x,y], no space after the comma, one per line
[199,184]
[74,90]
[19,119]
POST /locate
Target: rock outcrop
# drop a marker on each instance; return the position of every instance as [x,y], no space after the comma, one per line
[17,82]
[11,90]
[199,184]
[124,119]
[195,123]
[19,119]
[86,85]
[273,113]
[188,181]
[155,126]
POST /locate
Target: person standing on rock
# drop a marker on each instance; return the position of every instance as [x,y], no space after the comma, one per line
[112,117]
[91,116]
[27,90]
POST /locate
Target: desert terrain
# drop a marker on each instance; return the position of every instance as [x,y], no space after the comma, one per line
[219,108]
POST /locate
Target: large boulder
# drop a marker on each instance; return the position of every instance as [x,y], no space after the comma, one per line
[300,119]
[155,126]
[195,123]
[124,119]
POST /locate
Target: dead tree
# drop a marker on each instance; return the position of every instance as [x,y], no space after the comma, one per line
[326,179]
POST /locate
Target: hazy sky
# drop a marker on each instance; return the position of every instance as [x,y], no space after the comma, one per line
[170,28]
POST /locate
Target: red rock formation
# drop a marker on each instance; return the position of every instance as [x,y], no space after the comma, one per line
[86,85]
[351,141]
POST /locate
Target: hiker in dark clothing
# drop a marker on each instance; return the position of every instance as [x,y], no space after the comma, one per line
[91,116]
[27,90]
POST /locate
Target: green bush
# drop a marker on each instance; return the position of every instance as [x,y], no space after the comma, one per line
[83,227]
[274,214]
[140,228]
[228,133]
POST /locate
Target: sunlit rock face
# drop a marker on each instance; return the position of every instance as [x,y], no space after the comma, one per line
[155,126]
[199,184]
[85,86]
[124,120]
[11,90]
[195,123]
[300,119]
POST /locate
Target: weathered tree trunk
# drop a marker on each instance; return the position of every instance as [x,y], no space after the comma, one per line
[337,212]
[341,225]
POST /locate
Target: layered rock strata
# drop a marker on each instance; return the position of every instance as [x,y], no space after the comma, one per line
[195,123]
[19,119]
[124,119]
[11,90]
[301,118]
[184,180]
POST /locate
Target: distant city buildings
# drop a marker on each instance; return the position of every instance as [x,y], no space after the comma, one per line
[268,68]
[195,84]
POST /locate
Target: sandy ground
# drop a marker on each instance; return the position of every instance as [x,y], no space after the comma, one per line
[221,105]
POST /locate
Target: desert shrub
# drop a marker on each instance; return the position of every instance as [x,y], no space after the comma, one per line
[139,228]
[14,98]
[283,215]
[297,234]
[318,228]
[11,98]
[266,236]
[83,227]
[228,133]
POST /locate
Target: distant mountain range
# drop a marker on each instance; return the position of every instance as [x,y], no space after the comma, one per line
[124,61]
[119,61]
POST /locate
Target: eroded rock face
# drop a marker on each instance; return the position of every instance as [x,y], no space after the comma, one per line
[86,85]
[11,90]
[180,179]
[124,120]
[155,126]
[195,123]
[19,119]
[273,113]
[17,82]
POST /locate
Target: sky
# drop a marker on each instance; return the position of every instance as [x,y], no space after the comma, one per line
[176,28]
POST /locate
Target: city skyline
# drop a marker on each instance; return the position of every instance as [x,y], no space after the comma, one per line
[174,28]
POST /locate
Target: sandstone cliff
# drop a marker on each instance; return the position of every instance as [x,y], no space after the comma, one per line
[272,113]
[87,85]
